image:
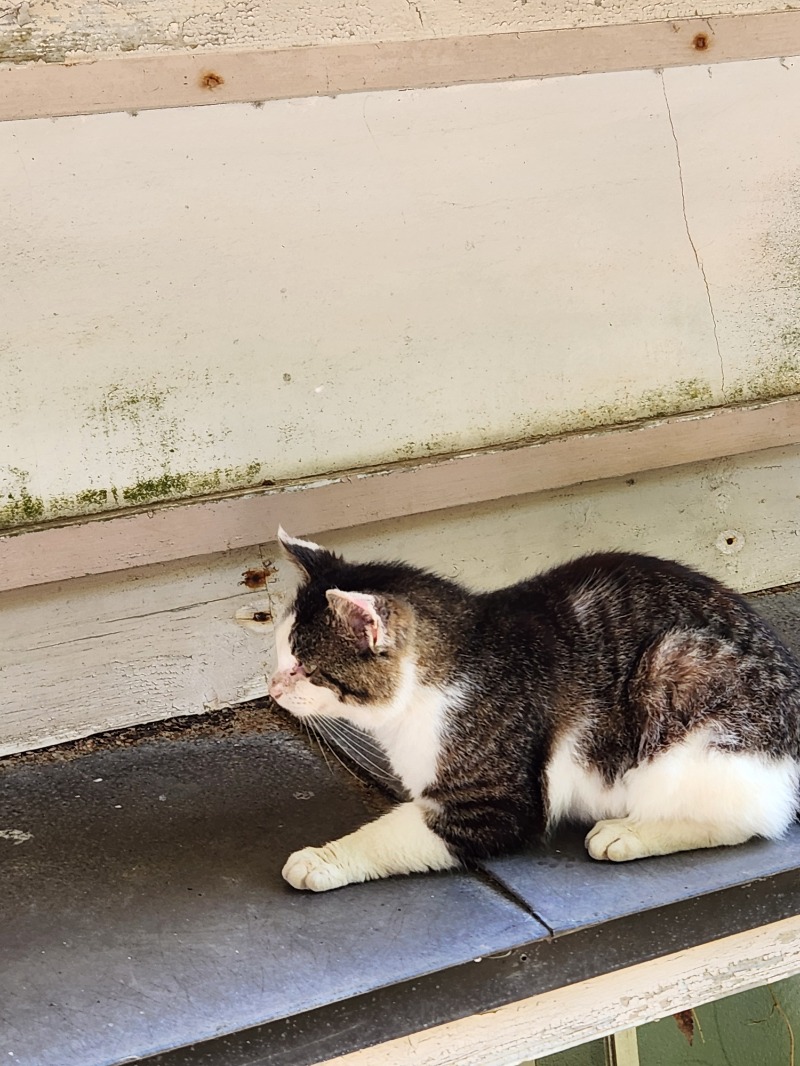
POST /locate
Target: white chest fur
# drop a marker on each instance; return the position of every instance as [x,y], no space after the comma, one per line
[412,737]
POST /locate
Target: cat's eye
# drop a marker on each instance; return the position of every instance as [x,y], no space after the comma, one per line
[309,670]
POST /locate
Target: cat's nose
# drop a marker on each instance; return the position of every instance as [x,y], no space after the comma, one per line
[276,684]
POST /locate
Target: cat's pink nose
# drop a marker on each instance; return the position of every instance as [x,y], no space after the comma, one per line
[277,684]
[282,680]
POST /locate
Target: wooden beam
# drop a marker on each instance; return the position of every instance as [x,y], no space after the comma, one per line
[139,82]
[554,1021]
[203,526]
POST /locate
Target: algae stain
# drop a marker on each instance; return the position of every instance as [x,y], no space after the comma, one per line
[777,302]
[92,497]
[770,380]
[169,486]
[692,394]
[160,488]
[130,404]
[20,508]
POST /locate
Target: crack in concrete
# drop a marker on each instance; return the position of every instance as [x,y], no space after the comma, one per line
[415,8]
[696,254]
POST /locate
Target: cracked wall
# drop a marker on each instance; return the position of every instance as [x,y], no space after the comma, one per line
[201,300]
[34,30]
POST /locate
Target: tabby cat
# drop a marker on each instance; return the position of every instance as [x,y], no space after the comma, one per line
[617,689]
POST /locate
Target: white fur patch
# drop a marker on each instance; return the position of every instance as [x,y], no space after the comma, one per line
[731,793]
[412,736]
[283,650]
[288,541]
[400,842]
[594,589]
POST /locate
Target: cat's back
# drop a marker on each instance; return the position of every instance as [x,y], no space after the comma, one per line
[596,614]
[621,588]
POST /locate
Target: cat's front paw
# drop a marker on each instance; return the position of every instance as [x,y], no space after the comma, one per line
[314,869]
[615,839]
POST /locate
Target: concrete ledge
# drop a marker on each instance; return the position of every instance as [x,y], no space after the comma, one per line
[146,920]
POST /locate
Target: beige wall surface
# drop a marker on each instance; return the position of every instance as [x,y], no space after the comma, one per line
[199,299]
[33,30]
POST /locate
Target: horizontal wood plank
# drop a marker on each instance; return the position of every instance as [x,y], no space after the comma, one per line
[138,82]
[543,1025]
[208,525]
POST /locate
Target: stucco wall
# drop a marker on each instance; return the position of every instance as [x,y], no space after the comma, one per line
[199,299]
[32,30]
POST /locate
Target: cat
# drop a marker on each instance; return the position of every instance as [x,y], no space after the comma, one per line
[617,689]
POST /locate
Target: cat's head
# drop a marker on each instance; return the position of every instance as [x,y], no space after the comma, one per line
[344,646]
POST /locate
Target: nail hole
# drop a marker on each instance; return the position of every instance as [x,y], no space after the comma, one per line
[730,541]
[700,42]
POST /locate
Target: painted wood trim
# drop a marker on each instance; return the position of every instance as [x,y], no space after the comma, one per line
[624,1047]
[565,1017]
[203,526]
[133,83]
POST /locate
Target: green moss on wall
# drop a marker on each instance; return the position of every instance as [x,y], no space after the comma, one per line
[769,381]
[691,394]
[159,488]
[20,508]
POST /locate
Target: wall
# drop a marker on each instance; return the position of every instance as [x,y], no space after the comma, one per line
[202,300]
[42,29]
[206,299]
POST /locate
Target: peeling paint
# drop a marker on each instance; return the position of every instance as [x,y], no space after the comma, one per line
[55,32]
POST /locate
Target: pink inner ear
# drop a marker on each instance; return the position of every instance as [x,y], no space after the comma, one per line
[358,611]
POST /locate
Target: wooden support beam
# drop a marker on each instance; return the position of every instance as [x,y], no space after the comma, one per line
[554,1021]
[186,79]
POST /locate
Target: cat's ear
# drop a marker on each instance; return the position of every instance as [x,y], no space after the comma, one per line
[360,613]
[308,556]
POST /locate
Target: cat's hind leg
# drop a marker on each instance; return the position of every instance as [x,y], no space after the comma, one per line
[622,839]
[697,795]
[400,842]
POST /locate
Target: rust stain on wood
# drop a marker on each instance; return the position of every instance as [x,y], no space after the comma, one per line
[256,577]
[211,80]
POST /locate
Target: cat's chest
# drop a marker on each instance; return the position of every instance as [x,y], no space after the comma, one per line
[413,740]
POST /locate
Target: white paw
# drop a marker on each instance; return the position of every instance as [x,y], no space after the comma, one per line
[314,869]
[615,839]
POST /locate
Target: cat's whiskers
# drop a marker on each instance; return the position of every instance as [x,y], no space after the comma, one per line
[314,735]
[320,735]
[356,746]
